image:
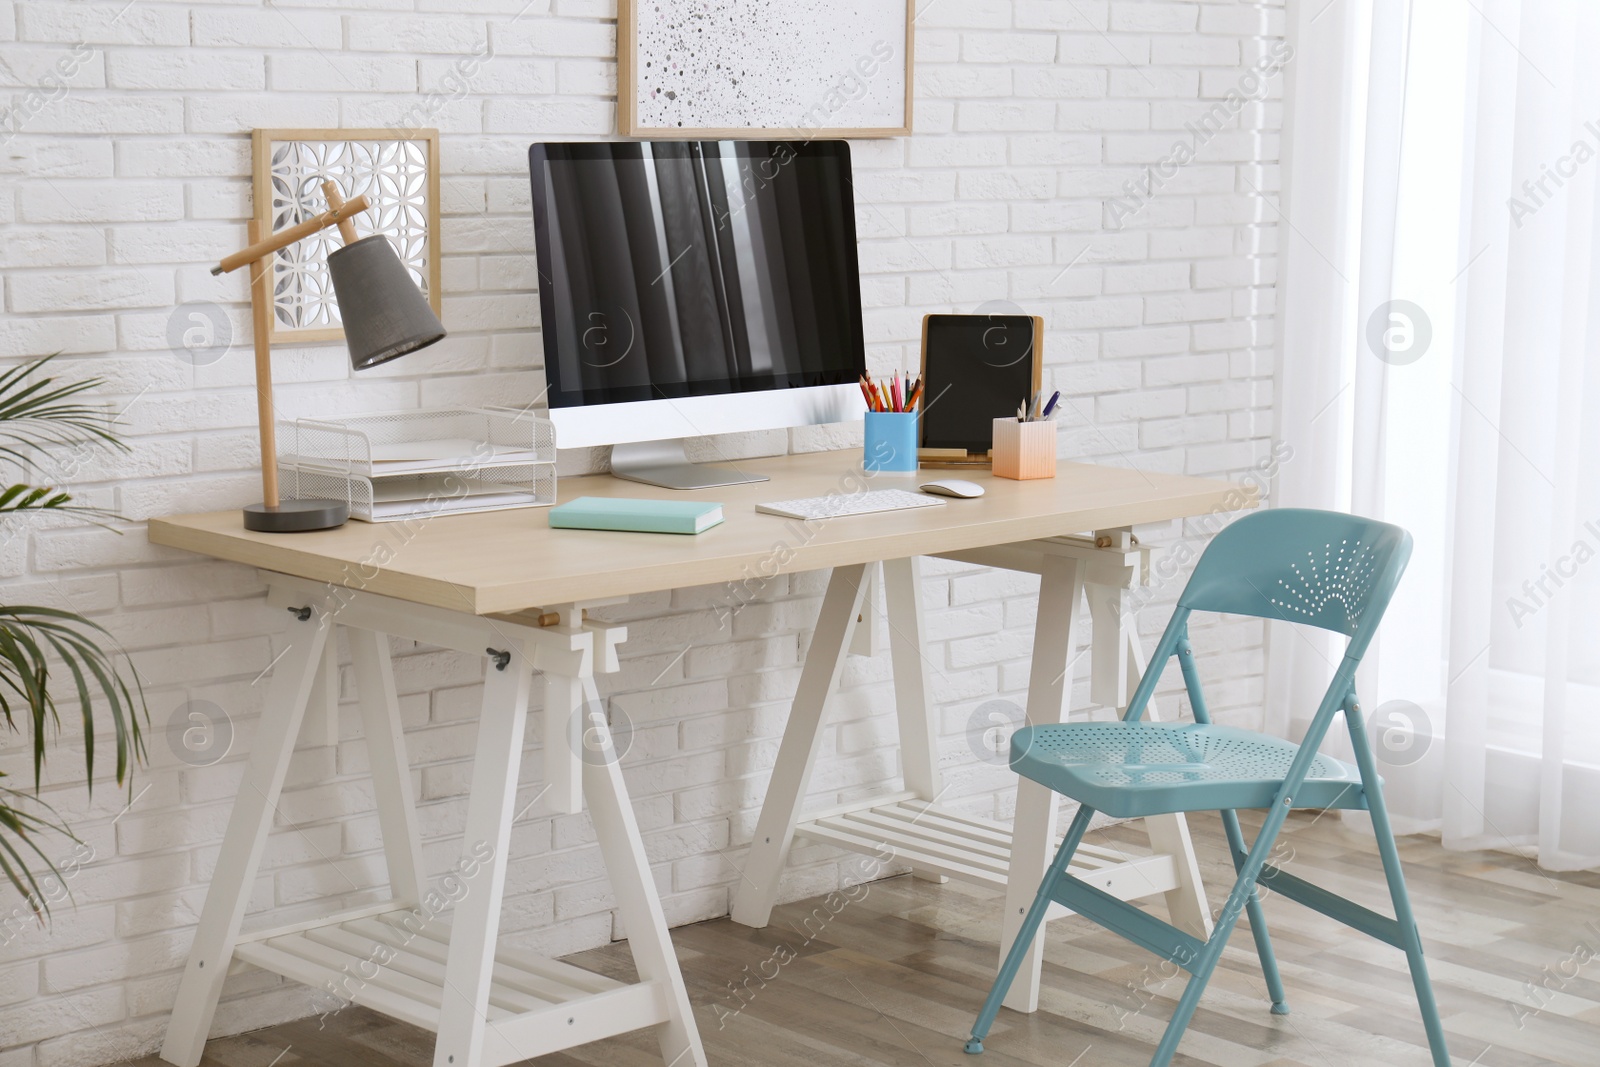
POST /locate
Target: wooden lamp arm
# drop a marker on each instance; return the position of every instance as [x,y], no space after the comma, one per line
[335,199]
[338,215]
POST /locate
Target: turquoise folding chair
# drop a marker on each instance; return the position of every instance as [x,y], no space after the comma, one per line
[1317,568]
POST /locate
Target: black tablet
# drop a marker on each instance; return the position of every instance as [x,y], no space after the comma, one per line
[975,369]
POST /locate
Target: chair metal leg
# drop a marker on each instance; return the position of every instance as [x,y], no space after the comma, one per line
[1169,834]
[1429,1007]
[1411,939]
[1243,890]
[1030,926]
[1258,919]
[1236,848]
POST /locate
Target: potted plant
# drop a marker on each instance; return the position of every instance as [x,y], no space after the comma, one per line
[53,661]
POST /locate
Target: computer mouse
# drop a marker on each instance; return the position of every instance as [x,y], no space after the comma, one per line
[952,487]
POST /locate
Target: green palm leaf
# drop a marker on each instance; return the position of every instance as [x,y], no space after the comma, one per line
[43,649]
[36,415]
[30,637]
[19,828]
[29,498]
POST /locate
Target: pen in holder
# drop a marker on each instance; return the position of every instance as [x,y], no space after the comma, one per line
[1024,450]
[891,441]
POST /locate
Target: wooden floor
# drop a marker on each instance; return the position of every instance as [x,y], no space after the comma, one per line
[897,975]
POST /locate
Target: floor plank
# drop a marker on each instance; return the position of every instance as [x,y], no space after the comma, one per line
[897,975]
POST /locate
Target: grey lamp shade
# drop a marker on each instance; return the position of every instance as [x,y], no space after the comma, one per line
[385,314]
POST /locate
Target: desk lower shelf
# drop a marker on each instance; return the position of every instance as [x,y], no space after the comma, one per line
[536,1005]
[936,840]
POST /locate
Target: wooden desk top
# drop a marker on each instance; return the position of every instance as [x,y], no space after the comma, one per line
[508,561]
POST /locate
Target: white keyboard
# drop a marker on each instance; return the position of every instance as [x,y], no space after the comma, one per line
[841,504]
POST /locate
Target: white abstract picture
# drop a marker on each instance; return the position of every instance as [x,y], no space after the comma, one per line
[769,65]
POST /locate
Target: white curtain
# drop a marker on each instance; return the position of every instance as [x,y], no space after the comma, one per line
[1440,323]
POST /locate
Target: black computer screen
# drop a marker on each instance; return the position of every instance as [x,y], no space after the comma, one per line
[690,268]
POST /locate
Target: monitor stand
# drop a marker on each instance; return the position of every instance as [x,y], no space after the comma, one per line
[663,463]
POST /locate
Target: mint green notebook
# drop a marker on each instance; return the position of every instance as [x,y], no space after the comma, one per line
[640,516]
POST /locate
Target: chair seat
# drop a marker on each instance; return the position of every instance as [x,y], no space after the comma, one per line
[1153,768]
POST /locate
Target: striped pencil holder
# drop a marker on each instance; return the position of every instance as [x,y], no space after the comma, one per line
[1024,450]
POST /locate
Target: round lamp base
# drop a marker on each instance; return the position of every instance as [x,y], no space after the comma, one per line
[296,516]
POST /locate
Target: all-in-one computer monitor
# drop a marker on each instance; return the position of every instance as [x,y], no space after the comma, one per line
[695,287]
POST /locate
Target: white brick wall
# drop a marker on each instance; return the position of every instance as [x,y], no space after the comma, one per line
[123,180]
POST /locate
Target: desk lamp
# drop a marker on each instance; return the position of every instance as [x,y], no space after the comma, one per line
[385,316]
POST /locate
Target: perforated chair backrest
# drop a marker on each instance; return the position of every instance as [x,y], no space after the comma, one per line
[1318,568]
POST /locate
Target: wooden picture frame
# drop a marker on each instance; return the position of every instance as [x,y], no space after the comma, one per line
[630,122]
[398,170]
[955,458]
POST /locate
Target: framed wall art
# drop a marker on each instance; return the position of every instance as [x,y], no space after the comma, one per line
[398,170]
[776,68]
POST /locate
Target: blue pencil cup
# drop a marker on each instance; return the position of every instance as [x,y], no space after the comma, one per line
[891,441]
